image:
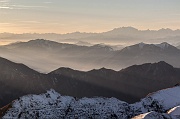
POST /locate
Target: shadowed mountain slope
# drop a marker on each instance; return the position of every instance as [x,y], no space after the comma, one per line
[136,81]
[130,84]
[17,80]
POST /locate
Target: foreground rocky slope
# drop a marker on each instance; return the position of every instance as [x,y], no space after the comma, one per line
[159,105]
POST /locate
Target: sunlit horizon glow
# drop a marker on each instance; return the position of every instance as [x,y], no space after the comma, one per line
[59,16]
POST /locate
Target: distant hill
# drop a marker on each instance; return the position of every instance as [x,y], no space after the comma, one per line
[144,53]
[36,53]
[83,43]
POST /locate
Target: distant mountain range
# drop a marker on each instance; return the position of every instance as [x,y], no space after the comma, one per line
[130,84]
[163,104]
[36,53]
[122,35]
[114,47]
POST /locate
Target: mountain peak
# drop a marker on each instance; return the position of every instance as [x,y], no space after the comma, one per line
[163,45]
[158,71]
[165,30]
[141,45]
[125,29]
[158,65]
[40,41]
[162,63]
[103,69]
[101,46]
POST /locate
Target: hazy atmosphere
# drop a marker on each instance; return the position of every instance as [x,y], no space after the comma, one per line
[64,16]
[90,59]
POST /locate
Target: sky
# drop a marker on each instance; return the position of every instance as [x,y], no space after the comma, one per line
[64,16]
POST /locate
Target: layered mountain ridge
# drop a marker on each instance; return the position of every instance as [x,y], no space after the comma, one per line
[36,53]
[130,84]
[117,35]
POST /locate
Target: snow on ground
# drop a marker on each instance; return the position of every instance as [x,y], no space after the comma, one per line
[175,111]
[160,101]
[53,105]
[152,115]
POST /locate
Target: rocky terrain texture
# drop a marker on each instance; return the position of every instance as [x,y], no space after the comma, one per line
[163,104]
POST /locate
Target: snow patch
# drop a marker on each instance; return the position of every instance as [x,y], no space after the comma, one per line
[53,105]
[153,115]
[175,111]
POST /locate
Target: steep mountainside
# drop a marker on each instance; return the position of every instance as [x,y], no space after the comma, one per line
[130,84]
[17,80]
[53,105]
[136,81]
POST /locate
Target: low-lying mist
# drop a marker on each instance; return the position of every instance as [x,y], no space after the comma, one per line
[45,56]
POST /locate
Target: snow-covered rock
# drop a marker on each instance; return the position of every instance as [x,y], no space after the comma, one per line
[53,105]
[175,111]
[160,101]
[152,115]
[156,115]
[48,105]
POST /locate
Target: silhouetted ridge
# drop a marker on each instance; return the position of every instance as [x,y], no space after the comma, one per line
[17,80]
[101,70]
[158,71]
[129,84]
[11,67]
[150,47]
[65,71]
[159,65]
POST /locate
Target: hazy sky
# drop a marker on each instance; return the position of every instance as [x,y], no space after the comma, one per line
[62,16]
